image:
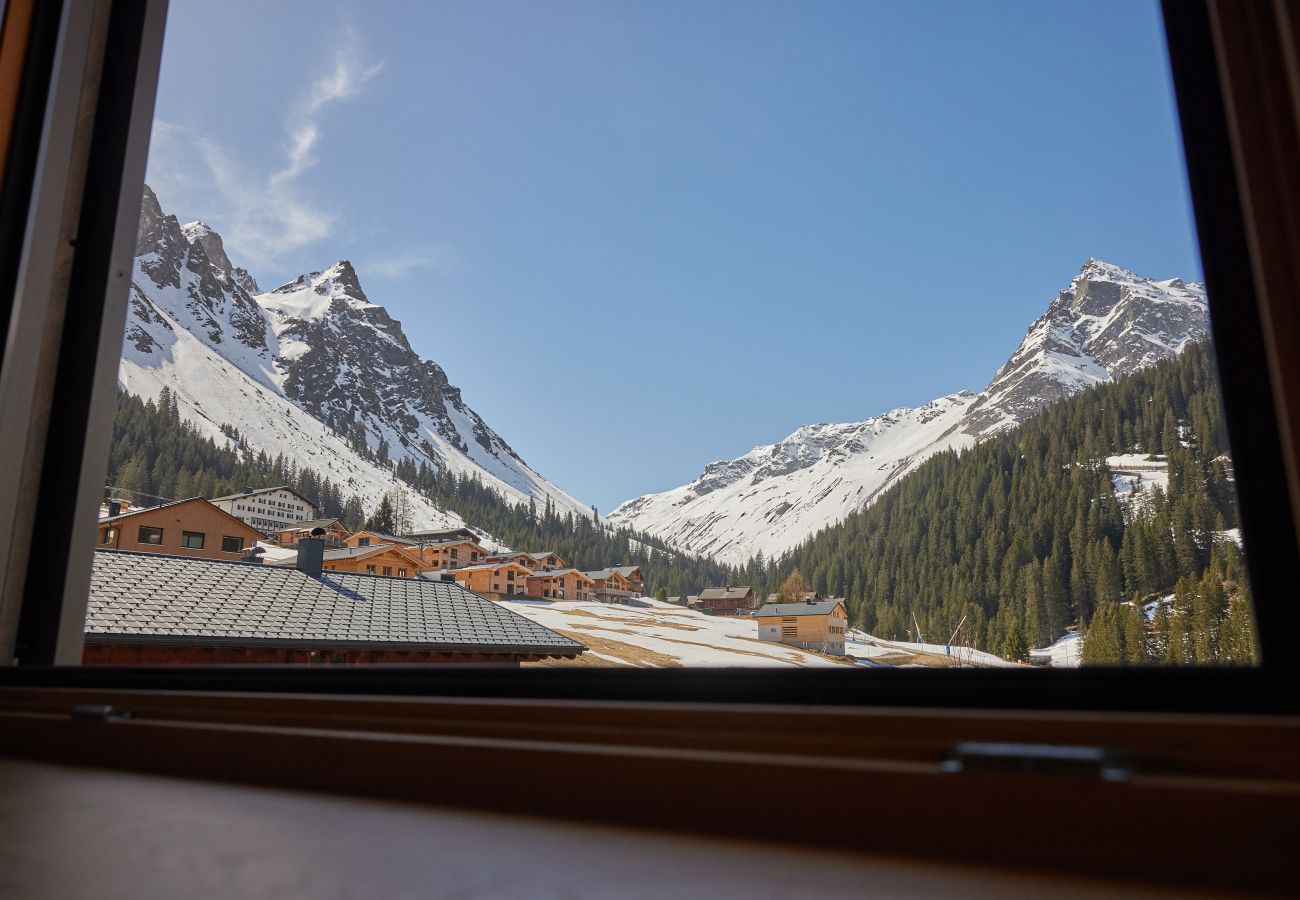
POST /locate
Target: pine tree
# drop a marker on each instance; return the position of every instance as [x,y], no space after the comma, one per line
[382,520]
[1014,646]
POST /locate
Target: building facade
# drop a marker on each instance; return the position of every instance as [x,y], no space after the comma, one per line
[269,510]
[192,527]
[811,625]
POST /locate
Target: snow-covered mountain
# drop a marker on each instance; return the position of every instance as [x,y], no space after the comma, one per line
[1108,323]
[302,370]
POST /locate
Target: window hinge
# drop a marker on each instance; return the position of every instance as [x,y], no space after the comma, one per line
[102,712]
[1038,759]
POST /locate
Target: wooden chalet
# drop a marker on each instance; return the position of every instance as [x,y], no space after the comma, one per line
[559,584]
[393,560]
[725,601]
[193,527]
[613,585]
[335,533]
[451,553]
[494,580]
[809,624]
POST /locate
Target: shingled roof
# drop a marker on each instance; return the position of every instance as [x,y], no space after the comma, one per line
[725,593]
[148,597]
[806,608]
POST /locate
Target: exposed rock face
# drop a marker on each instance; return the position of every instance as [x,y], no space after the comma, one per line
[1107,323]
[305,370]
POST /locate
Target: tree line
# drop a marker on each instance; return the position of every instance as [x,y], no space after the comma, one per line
[1022,536]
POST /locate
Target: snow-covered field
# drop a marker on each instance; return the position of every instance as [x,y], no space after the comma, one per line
[1066,653]
[663,635]
[865,646]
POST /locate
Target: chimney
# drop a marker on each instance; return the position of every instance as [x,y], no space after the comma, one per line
[248,490]
[311,556]
[114,507]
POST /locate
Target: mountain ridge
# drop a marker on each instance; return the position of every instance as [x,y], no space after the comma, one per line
[312,369]
[1106,323]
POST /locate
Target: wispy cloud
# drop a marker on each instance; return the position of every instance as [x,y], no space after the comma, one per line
[437,258]
[264,215]
[342,82]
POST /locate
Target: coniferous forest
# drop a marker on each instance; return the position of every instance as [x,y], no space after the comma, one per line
[1008,545]
[1024,536]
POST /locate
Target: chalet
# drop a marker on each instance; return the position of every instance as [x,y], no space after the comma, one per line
[560,584]
[270,509]
[535,561]
[393,560]
[494,580]
[809,624]
[725,601]
[335,532]
[548,560]
[613,586]
[147,609]
[364,538]
[451,553]
[193,527]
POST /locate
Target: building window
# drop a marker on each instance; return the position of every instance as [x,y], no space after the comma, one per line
[401,573]
[363,542]
[150,535]
[388,570]
[370,570]
[453,553]
[192,540]
[510,576]
[108,536]
[231,544]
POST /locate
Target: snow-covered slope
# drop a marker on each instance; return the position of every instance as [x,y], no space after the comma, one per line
[308,370]
[1107,323]
[774,496]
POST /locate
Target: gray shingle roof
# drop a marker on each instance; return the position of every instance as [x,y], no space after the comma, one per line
[725,593]
[138,597]
[819,608]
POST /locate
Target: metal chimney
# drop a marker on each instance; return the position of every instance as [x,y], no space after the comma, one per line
[311,556]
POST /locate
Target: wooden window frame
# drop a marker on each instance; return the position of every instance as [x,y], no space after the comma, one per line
[1212,750]
[201,535]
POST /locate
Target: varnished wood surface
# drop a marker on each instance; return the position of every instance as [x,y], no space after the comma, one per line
[72,833]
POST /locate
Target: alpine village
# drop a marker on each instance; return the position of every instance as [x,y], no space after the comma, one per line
[340,504]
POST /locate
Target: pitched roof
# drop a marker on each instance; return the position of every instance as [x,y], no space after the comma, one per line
[435,533]
[386,538]
[725,593]
[541,556]
[345,553]
[817,608]
[281,487]
[558,573]
[499,564]
[600,574]
[145,509]
[150,509]
[310,524]
[137,597]
[625,571]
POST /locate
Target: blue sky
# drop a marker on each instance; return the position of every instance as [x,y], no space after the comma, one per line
[642,236]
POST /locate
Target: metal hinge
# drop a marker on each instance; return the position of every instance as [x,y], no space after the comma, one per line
[1039,759]
[103,712]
